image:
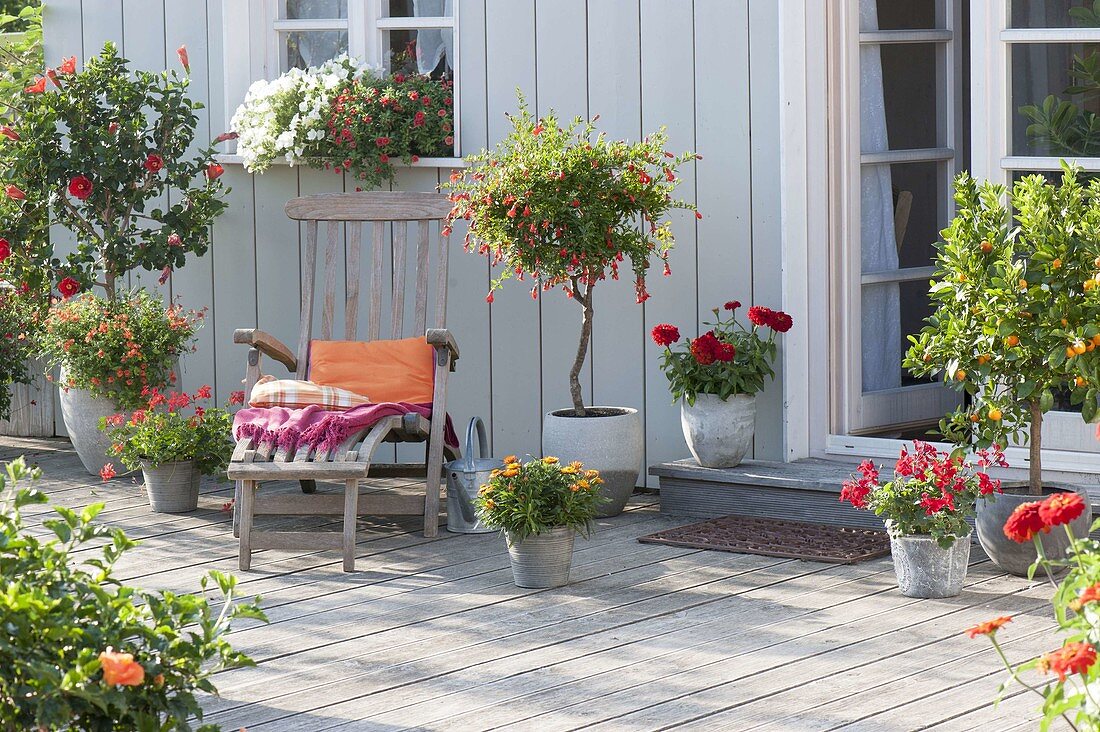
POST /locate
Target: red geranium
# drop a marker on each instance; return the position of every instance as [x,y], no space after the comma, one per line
[153,163]
[1024,523]
[760,315]
[80,187]
[1061,508]
[989,627]
[68,287]
[107,472]
[1072,658]
[665,335]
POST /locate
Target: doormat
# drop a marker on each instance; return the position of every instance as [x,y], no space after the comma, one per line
[777,538]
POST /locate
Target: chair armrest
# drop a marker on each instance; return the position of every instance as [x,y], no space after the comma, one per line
[442,338]
[267,344]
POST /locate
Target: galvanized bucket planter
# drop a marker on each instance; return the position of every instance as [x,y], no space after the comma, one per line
[927,570]
[542,560]
[1016,558]
[464,478]
[172,487]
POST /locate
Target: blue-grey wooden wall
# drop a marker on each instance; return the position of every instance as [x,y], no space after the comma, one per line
[708,69]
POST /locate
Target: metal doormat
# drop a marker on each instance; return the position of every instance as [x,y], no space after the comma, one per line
[777,538]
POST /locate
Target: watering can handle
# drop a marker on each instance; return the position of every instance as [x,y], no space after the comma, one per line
[482,442]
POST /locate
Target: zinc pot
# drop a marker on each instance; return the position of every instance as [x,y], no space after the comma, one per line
[925,569]
[81,412]
[542,560]
[607,439]
[719,433]
[172,487]
[1011,556]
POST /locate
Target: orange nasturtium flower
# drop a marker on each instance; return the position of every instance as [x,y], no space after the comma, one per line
[120,669]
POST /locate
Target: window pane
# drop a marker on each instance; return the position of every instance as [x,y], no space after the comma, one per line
[313,48]
[316,9]
[419,8]
[426,51]
[910,15]
[900,81]
[1055,97]
[1052,14]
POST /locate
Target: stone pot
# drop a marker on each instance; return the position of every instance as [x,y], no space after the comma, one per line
[81,412]
[172,487]
[607,439]
[719,433]
[1011,556]
[542,560]
[925,569]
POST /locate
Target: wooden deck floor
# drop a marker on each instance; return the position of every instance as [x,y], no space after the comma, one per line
[433,635]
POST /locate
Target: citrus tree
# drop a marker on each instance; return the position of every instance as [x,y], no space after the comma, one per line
[1017,319]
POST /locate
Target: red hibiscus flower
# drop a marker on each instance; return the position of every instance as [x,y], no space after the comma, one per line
[164,275]
[1061,508]
[153,163]
[1024,523]
[15,192]
[107,472]
[732,305]
[226,136]
[5,249]
[989,627]
[1072,658]
[68,65]
[37,87]
[68,287]
[9,133]
[781,322]
[705,348]
[760,315]
[184,61]
[214,171]
[665,335]
[80,187]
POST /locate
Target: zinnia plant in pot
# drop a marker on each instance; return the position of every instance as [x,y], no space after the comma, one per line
[1017,321]
[568,208]
[926,506]
[1065,678]
[540,505]
[716,376]
[174,441]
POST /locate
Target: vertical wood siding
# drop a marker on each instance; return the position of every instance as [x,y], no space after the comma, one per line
[707,69]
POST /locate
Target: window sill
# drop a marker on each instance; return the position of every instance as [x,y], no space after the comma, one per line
[231,159]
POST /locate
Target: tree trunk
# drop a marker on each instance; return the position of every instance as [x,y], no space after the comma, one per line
[1035,446]
[109,284]
[585,299]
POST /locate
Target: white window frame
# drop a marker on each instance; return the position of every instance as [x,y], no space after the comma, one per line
[256,53]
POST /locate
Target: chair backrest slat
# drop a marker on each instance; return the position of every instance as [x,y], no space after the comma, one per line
[422,263]
[309,268]
[441,284]
[374,326]
[332,250]
[400,246]
[351,305]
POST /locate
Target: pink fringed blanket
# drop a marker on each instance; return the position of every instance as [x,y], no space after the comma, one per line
[316,428]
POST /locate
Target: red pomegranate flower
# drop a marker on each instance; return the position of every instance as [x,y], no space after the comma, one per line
[1072,658]
[1024,523]
[5,249]
[760,315]
[80,187]
[665,335]
[989,627]
[153,163]
[781,322]
[1061,508]
[68,287]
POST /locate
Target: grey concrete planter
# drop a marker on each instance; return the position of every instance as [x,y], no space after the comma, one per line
[925,569]
[610,440]
[172,487]
[1011,556]
[719,433]
[542,560]
[81,412]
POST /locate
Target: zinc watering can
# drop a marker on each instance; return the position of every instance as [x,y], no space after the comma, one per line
[464,477]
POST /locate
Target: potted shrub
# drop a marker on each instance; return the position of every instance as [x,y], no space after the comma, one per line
[110,352]
[926,506]
[1017,321]
[540,505]
[716,376]
[174,441]
[88,652]
[1066,676]
[563,207]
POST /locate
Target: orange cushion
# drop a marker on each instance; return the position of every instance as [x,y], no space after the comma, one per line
[387,371]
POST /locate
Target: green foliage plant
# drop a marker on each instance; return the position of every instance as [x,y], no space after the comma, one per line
[19,324]
[527,499]
[1017,315]
[20,53]
[567,207]
[83,651]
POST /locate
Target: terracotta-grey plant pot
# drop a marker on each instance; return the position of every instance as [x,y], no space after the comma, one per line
[81,412]
[719,433]
[925,569]
[1011,556]
[172,487]
[542,560]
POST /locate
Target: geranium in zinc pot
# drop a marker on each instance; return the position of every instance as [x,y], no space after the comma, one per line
[925,507]
[1017,321]
[716,377]
[567,208]
[540,506]
[174,441]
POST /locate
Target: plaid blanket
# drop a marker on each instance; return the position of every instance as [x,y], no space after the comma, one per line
[297,394]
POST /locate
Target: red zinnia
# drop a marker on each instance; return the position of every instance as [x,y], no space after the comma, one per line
[1090,594]
[1024,523]
[725,352]
[705,348]
[153,163]
[760,315]
[732,305]
[5,249]
[15,192]
[1061,508]
[665,335]
[1072,658]
[68,65]
[37,87]
[80,187]
[214,171]
[781,322]
[989,627]
[68,287]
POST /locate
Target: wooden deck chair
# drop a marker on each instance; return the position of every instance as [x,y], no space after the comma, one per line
[252,464]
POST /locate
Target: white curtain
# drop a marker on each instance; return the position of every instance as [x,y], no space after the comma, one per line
[433,44]
[880,326]
[313,48]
